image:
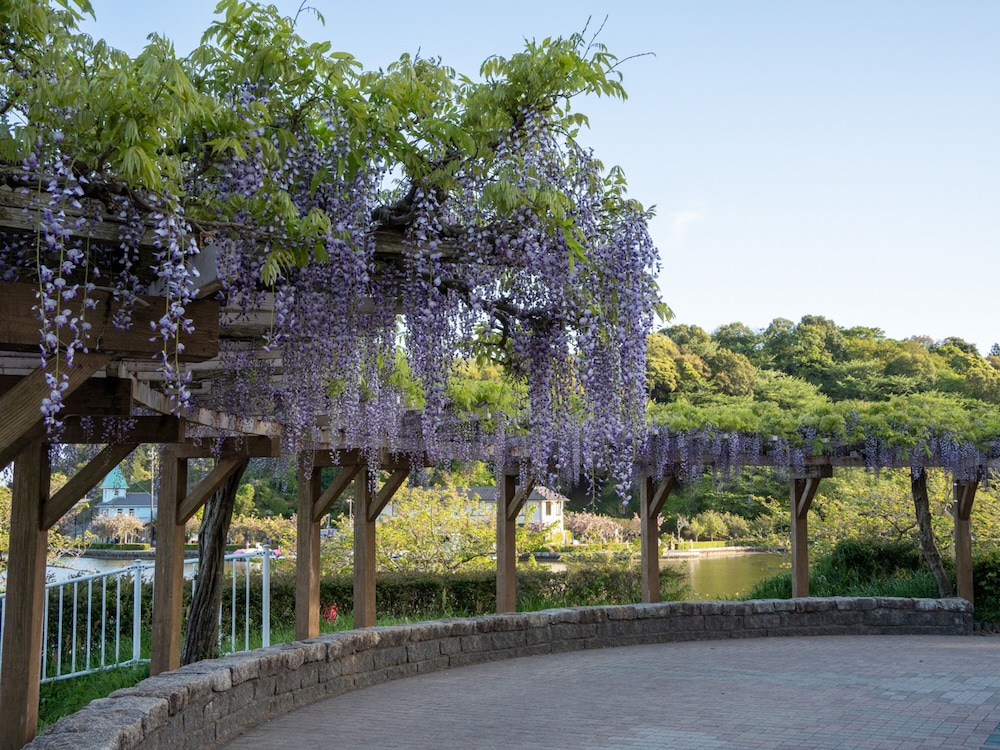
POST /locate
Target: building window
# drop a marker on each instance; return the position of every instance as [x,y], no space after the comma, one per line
[131,511]
[548,507]
[119,512]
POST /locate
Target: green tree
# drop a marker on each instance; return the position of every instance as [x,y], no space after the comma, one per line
[662,376]
[732,373]
[739,338]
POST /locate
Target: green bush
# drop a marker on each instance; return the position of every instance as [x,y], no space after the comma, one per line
[859,568]
[427,596]
[986,585]
[109,545]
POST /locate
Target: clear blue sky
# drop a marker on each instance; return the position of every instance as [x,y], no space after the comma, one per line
[838,159]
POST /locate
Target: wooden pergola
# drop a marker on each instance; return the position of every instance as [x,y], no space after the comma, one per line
[117,384]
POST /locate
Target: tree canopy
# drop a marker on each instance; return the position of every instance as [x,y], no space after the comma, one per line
[797,390]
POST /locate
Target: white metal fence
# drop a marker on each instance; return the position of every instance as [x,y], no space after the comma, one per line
[99,621]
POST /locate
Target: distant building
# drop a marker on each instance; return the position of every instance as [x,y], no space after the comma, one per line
[543,507]
[116,500]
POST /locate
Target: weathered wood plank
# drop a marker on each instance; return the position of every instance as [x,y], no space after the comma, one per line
[249,446]
[156,401]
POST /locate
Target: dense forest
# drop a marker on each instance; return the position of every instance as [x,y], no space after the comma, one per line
[816,381]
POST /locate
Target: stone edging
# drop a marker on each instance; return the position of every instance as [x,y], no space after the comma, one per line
[205,704]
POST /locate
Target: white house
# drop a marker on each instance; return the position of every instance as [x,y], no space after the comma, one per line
[543,506]
[117,500]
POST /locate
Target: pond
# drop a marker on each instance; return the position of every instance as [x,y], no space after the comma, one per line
[717,576]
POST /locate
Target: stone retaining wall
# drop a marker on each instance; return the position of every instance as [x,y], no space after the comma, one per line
[207,703]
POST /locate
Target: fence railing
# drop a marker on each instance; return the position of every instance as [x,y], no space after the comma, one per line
[103,620]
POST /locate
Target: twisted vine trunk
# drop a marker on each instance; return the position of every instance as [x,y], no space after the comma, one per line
[202,636]
[928,547]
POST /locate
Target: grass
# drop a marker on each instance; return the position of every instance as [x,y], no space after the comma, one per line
[63,697]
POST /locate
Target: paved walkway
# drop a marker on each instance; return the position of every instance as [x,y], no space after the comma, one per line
[823,692]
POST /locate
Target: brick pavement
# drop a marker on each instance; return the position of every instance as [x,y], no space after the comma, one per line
[871,692]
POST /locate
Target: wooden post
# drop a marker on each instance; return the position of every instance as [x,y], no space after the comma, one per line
[168,583]
[652,495]
[364,552]
[803,489]
[307,567]
[510,500]
[506,547]
[24,611]
[965,494]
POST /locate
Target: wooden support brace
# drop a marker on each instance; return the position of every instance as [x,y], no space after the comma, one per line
[392,484]
[517,502]
[652,496]
[21,405]
[340,483]
[224,468]
[83,482]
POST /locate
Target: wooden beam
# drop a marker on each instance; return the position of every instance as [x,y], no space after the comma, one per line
[84,481]
[652,495]
[307,570]
[24,610]
[159,428]
[340,483]
[95,397]
[21,212]
[21,405]
[19,325]
[168,582]
[152,399]
[248,446]
[326,458]
[224,468]
[364,553]
[964,496]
